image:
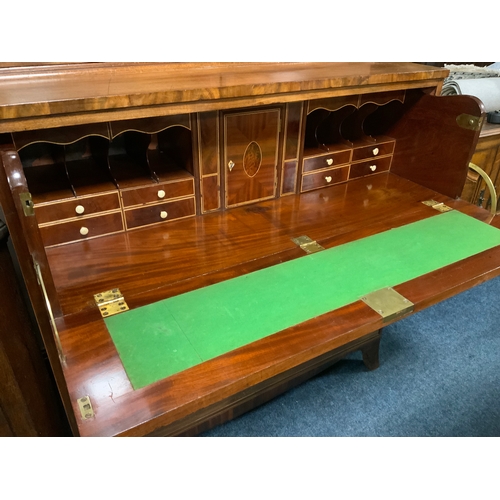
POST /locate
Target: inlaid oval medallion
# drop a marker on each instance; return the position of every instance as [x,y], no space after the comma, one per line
[252,159]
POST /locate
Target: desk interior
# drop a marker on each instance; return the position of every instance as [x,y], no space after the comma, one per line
[152,264]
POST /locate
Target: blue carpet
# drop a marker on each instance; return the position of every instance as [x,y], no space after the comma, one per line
[439,375]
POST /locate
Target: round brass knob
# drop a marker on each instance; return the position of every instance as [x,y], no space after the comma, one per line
[161,193]
[79,209]
[376,151]
[84,231]
[163,214]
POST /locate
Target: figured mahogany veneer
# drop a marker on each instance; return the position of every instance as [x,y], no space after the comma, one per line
[91,93]
[191,174]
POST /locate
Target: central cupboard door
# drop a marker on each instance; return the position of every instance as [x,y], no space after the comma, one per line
[251,156]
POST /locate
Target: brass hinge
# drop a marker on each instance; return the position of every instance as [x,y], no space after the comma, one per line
[307,244]
[110,302]
[436,205]
[27,203]
[388,303]
[469,122]
[85,407]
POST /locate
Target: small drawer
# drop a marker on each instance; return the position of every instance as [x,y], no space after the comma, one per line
[160,212]
[83,229]
[157,192]
[77,207]
[327,160]
[324,178]
[372,151]
[370,167]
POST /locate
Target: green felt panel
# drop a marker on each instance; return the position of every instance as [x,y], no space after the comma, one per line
[160,339]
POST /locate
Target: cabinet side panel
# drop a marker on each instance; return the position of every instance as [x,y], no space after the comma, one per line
[28,246]
[432,148]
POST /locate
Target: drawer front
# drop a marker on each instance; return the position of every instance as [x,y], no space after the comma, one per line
[161,212]
[158,192]
[324,178]
[81,229]
[370,167]
[77,207]
[328,160]
[373,151]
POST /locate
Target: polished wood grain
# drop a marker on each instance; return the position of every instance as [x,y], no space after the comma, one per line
[149,125]
[210,193]
[327,159]
[158,259]
[381,98]
[78,207]
[29,403]
[120,410]
[373,150]
[289,177]
[62,135]
[332,103]
[431,148]
[370,167]
[158,192]
[81,229]
[209,142]
[217,244]
[159,213]
[293,123]
[332,216]
[251,142]
[324,178]
[28,246]
[73,94]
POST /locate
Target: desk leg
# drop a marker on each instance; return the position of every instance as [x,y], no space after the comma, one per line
[370,352]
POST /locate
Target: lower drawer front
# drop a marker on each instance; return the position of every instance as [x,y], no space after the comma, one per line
[324,178]
[78,230]
[369,167]
[161,212]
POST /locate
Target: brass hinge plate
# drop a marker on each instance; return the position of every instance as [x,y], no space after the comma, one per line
[307,244]
[27,204]
[85,407]
[469,122]
[110,302]
[388,303]
[436,205]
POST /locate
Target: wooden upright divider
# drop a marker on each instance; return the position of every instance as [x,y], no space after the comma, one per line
[126,186]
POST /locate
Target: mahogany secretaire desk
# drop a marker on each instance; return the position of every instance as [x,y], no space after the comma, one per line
[197,238]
